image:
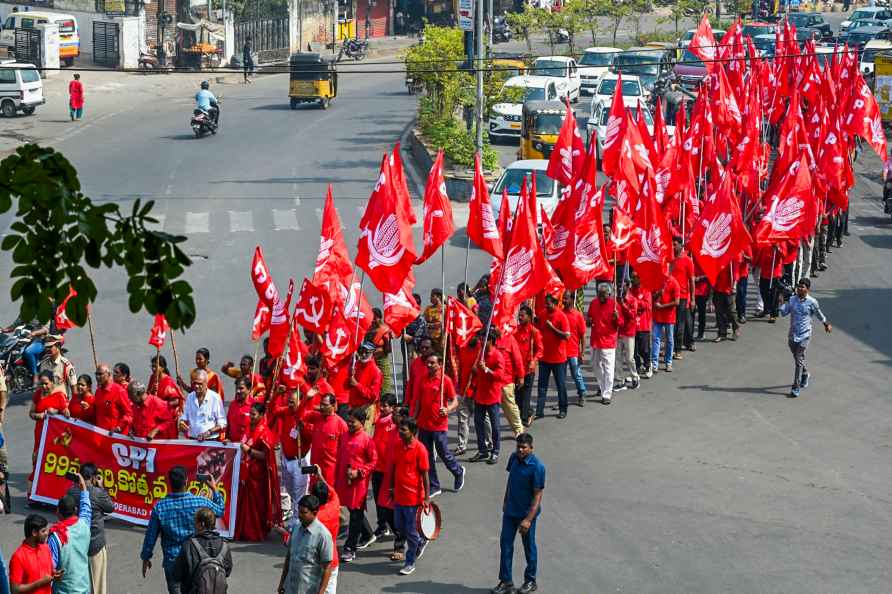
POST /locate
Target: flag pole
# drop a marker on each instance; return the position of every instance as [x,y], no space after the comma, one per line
[443,322]
[256,354]
[467,259]
[771,272]
[157,370]
[393,364]
[92,337]
[176,359]
[358,312]
[404,349]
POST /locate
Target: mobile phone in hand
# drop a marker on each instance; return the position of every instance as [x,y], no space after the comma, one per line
[308,469]
[71,476]
[203,477]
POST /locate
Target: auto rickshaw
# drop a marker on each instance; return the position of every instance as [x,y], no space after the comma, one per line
[540,127]
[509,67]
[314,79]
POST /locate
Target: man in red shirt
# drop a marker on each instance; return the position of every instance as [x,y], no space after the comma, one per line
[683,271]
[385,438]
[465,389]
[330,516]
[411,488]
[555,333]
[575,342]
[490,374]
[365,381]
[417,371]
[31,566]
[151,415]
[436,400]
[721,299]
[529,339]
[604,319]
[511,350]
[313,387]
[357,458]
[285,416]
[665,308]
[643,324]
[327,431]
[111,404]
[239,409]
[629,305]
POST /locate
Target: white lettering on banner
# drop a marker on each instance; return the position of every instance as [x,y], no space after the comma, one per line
[133,456]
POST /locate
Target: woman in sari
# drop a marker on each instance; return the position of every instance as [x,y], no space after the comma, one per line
[162,385]
[81,405]
[48,399]
[202,360]
[259,499]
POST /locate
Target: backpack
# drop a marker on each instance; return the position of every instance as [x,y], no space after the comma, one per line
[209,576]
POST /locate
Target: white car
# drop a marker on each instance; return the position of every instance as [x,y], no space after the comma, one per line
[874,13]
[505,117]
[870,51]
[565,73]
[548,191]
[597,124]
[632,90]
[595,62]
[20,88]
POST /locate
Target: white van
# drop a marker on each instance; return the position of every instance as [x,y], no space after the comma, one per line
[20,89]
[69,36]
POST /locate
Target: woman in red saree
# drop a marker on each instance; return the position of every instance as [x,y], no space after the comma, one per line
[259,504]
[48,399]
[81,405]
[162,385]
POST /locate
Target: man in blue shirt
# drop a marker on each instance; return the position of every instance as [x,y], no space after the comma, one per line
[801,309]
[520,510]
[173,518]
[207,101]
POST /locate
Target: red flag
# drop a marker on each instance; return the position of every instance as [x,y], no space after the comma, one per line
[567,156]
[338,341]
[354,306]
[864,119]
[438,224]
[615,132]
[400,186]
[62,321]
[294,366]
[621,230]
[703,44]
[462,323]
[278,323]
[159,331]
[481,224]
[333,261]
[661,133]
[792,210]
[651,249]
[719,235]
[506,220]
[385,249]
[400,308]
[589,256]
[260,323]
[263,281]
[313,307]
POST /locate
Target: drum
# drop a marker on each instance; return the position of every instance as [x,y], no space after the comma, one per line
[429,521]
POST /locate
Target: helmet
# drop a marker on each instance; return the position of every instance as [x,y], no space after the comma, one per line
[205,85]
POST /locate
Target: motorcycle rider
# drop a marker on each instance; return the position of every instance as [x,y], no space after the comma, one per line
[207,102]
[62,369]
[33,351]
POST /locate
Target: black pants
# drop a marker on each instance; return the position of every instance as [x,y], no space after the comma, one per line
[701,301]
[525,396]
[684,325]
[642,349]
[487,413]
[769,292]
[358,529]
[723,314]
[740,297]
[385,514]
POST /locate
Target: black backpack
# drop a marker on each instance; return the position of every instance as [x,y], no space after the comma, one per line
[209,576]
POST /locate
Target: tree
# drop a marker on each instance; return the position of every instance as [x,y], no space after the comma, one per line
[616,12]
[525,23]
[590,12]
[435,63]
[57,230]
[637,9]
[572,18]
[683,8]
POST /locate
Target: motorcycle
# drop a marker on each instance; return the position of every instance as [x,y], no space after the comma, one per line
[12,362]
[500,30]
[204,122]
[413,84]
[355,49]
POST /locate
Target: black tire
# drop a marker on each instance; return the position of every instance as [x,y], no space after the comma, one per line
[7,109]
[28,110]
[294,103]
[197,133]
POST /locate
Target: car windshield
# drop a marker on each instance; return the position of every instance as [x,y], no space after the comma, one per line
[857,24]
[597,58]
[648,119]
[30,76]
[863,14]
[860,38]
[534,94]
[637,64]
[689,59]
[548,123]
[66,26]
[764,43]
[753,30]
[630,88]
[798,19]
[512,179]
[550,68]
[868,55]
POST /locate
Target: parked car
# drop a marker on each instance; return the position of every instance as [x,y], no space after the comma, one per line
[548,191]
[812,21]
[69,36]
[565,72]
[688,35]
[858,38]
[594,63]
[21,89]
[871,49]
[505,116]
[874,13]
[607,89]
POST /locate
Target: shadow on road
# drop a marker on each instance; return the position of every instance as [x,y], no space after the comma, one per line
[781,390]
[430,587]
[877,241]
[180,137]
[284,106]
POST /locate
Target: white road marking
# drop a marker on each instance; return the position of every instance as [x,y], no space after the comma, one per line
[285,220]
[198,222]
[241,220]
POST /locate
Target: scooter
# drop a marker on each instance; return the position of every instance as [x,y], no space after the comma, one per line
[355,49]
[204,122]
[12,362]
[500,30]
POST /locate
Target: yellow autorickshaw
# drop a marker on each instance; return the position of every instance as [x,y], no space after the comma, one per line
[541,124]
[314,79]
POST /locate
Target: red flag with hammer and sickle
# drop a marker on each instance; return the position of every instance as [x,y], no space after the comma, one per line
[159,331]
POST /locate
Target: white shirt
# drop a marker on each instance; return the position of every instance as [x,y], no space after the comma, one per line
[205,416]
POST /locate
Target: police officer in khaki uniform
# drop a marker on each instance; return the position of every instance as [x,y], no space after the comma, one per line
[63,370]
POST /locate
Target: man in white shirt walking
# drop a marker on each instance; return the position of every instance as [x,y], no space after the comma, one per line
[204,417]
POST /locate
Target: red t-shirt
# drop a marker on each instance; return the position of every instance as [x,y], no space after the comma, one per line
[670,292]
[409,462]
[723,282]
[489,384]
[368,388]
[645,309]
[385,433]
[554,347]
[28,564]
[604,326]
[356,451]
[683,272]
[78,412]
[112,408]
[152,414]
[529,339]
[429,417]
[629,310]
[327,433]
[417,370]
[286,430]
[577,331]
[513,356]
[237,419]
[330,516]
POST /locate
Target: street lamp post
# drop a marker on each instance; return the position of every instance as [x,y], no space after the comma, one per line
[479,66]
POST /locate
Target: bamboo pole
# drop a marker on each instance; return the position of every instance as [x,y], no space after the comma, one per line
[92,337]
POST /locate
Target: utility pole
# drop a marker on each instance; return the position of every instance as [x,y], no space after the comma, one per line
[478,30]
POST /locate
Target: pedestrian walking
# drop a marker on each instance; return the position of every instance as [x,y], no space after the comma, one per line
[683,271]
[205,561]
[101,505]
[247,58]
[665,303]
[555,333]
[76,98]
[520,512]
[69,542]
[491,372]
[357,457]
[529,339]
[575,343]
[31,566]
[801,308]
[173,520]
[307,568]
[411,489]
[605,320]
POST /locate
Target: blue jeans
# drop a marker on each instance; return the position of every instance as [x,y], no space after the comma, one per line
[559,370]
[404,518]
[576,374]
[32,355]
[480,413]
[173,585]
[76,112]
[506,544]
[439,441]
[657,333]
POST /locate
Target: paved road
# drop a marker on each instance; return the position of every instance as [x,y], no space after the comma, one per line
[705,480]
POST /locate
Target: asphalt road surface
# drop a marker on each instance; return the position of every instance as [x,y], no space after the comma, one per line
[706,480]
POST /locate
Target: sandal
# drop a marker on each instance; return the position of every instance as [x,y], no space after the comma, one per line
[397,556]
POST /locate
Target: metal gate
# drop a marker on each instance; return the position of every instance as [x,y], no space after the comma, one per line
[269,38]
[27,46]
[106,43]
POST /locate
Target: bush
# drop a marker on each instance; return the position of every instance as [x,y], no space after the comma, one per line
[451,135]
[665,36]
